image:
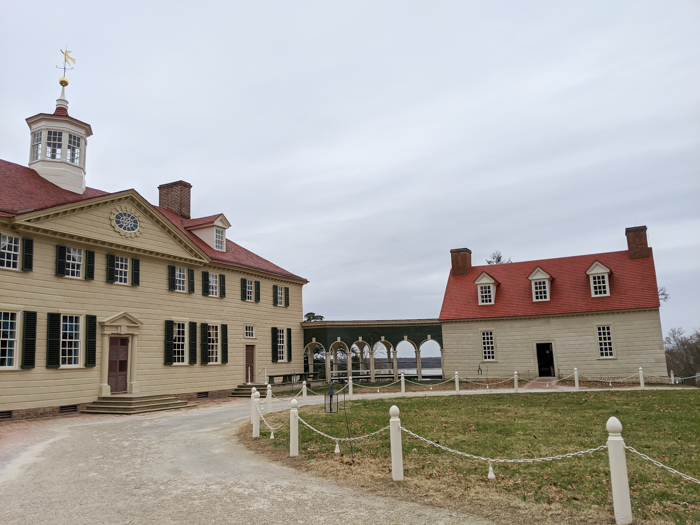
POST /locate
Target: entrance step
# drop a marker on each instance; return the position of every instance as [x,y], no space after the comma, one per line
[134,404]
[244,390]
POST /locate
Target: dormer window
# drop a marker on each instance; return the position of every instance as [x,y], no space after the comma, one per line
[73,149]
[540,282]
[486,286]
[599,278]
[54,143]
[36,145]
[219,239]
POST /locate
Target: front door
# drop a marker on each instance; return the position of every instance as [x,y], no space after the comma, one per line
[250,363]
[545,360]
[118,364]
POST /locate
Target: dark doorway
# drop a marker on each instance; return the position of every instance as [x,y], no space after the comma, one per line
[250,363]
[306,361]
[118,364]
[545,360]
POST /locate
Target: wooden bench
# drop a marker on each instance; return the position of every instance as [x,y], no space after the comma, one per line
[287,378]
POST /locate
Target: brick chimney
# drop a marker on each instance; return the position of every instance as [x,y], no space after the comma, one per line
[637,245]
[175,196]
[461,261]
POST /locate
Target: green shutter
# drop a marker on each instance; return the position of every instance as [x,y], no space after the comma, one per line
[224,344]
[171,277]
[135,272]
[289,344]
[222,285]
[190,280]
[169,331]
[29,340]
[90,340]
[27,255]
[60,260]
[274,295]
[286,296]
[205,283]
[274,344]
[244,289]
[204,343]
[53,341]
[89,265]
[110,267]
[193,342]
[257,291]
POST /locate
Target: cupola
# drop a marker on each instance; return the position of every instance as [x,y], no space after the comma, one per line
[57,145]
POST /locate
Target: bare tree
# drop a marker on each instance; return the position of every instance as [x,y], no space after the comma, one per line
[663,294]
[311,317]
[497,258]
[682,352]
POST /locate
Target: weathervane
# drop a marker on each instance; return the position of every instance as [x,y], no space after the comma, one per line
[66,67]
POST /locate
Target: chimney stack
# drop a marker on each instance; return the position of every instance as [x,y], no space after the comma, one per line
[637,245]
[175,196]
[461,261]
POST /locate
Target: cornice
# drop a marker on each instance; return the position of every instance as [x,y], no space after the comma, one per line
[549,316]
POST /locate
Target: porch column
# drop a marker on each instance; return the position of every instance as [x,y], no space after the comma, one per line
[328,366]
[419,370]
[371,364]
[104,368]
[133,383]
[335,360]
[396,364]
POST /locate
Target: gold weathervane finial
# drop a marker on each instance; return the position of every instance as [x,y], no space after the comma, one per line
[66,67]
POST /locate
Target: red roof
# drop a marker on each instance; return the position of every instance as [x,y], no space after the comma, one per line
[189,223]
[632,286]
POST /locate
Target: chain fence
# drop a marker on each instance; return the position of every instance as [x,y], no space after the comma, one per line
[337,439]
[659,464]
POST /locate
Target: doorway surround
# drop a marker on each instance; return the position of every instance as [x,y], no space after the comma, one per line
[122,324]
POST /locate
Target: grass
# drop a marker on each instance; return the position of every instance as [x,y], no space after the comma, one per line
[663,424]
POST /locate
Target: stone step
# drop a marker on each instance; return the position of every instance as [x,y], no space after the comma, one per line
[111,410]
[135,401]
[134,404]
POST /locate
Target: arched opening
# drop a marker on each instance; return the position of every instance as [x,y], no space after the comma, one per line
[315,360]
[383,364]
[406,358]
[339,353]
[360,358]
[431,359]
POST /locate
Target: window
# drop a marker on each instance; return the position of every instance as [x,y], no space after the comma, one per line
[36,145]
[73,149]
[219,239]
[213,344]
[179,279]
[74,262]
[280,344]
[249,290]
[249,331]
[9,252]
[54,143]
[213,285]
[605,346]
[70,340]
[121,270]
[488,347]
[486,288]
[179,343]
[280,296]
[599,285]
[540,290]
[485,295]
[8,340]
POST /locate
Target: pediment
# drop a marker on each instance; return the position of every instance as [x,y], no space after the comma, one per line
[538,274]
[597,268]
[122,319]
[485,278]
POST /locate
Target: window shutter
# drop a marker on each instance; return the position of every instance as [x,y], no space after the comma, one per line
[257,291]
[204,343]
[169,331]
[27,254]
[29,340]
[289,344]
[190,279]
[53,341]
[222,285]
[171,277]
[193,342]
[224,344]
[90,340]
[60,260]
[205,283]
[89,265]
[274,295]
[244,289]
[135,272]
[286,296]
[274,344]
[110,267]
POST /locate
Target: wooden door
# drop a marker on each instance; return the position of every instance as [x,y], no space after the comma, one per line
[250,363]
[118,364]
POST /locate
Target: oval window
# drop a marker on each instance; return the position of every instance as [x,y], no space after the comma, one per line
[126,221]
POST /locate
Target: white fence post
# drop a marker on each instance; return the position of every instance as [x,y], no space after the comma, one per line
[576,379]
[256,419]
[395,437]
[456,382]
[303,392]
[269,398]
[618,473]
[252,404]
[403,384]
[515,381]
[350,386]
[673,378]
[294,429]
[641,378]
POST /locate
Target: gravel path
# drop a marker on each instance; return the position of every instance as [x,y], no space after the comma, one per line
[180,466]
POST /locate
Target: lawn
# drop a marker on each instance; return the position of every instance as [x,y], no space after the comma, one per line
[663,424]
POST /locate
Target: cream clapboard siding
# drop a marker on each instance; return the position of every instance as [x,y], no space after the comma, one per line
[637,341]
[151,303]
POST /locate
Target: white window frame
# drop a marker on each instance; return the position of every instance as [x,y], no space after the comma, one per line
[540,290]
[599,275]
[65,356]
[213,284]
[56,151]
[606,344]
[219,240]
[183,343]
[486,289]
[281,347]
[486,295]
[36,145]
[73,149]
[280,296]
[180,279]
[121,270]
[249,332]
[249,290]
[10,255]
[10,342]
[488,346]
[74,263]
[214,343]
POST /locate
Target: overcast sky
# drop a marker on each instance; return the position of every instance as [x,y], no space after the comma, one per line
[355,143]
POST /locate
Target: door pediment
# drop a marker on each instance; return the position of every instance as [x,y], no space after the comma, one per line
[121,323]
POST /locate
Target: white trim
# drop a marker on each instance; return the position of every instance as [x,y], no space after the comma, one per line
[245,332]
[17,339]
[81,341]
[18,253]
[80,264]
[217,344]
[185,343]
[603,344]
[488,345]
